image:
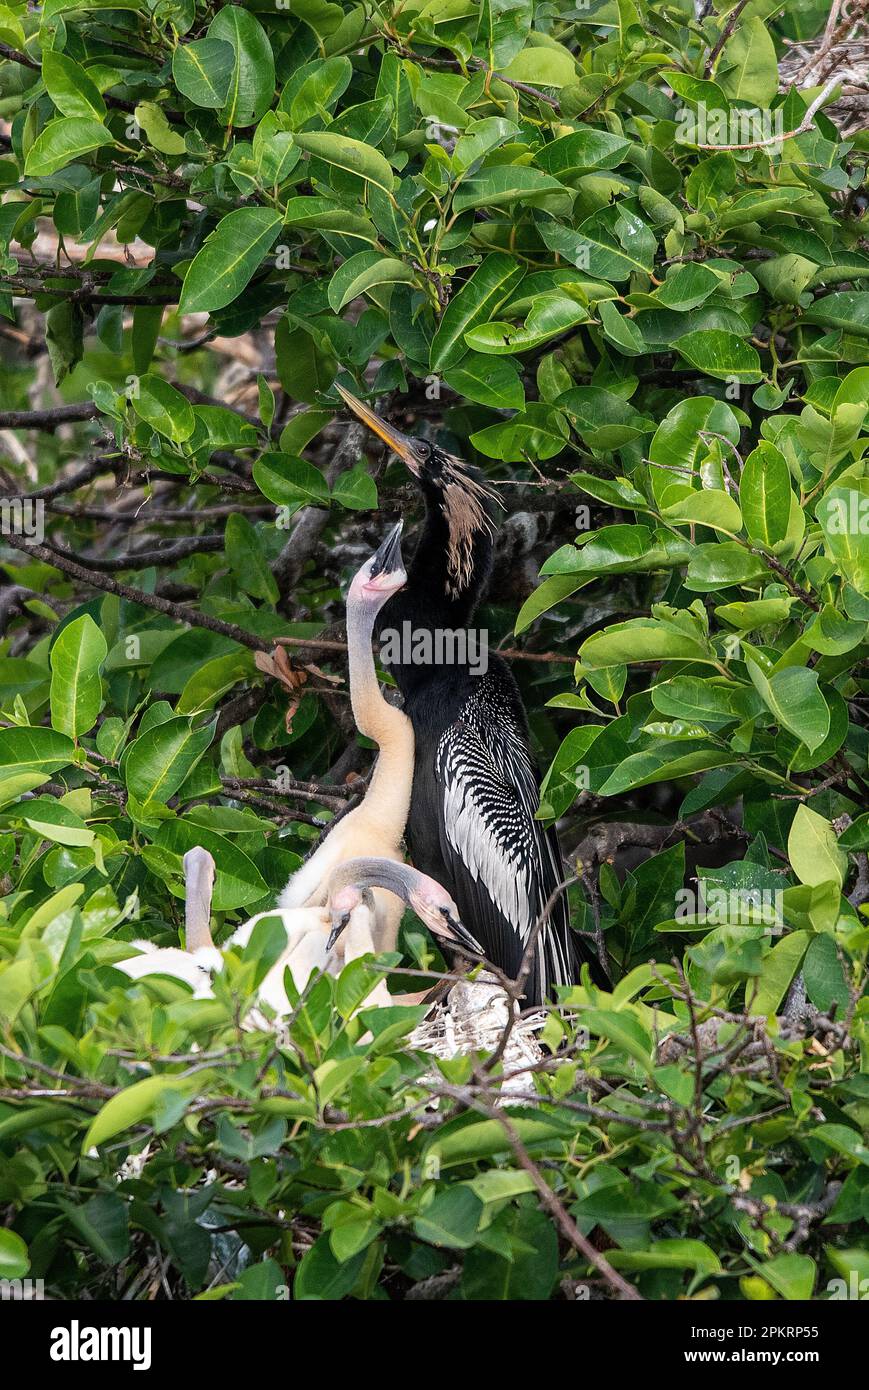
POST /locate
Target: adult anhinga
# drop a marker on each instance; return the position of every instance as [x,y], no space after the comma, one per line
[472,820]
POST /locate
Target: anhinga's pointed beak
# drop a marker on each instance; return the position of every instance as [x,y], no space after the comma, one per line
[339,922]
[401,444]
[387,559]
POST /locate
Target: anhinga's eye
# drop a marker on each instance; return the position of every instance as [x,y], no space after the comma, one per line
[338,926]
[424,449]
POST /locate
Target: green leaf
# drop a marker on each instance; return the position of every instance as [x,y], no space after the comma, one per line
[14,1256]
[70,88]
[779,968]
[229,258]
[506,184]
[130,1106]
[707,508]
[813,849]
[244,551]
[503,29]
[57,822]
[362,272]
[306,366]
[612,244]
[103,1221]
[314,89]
[681,445]
[856,837]
[785,277]
[164,408]
[290,481]
[538,432]
[825,980]
[747,69]
[714,701]
[606,422]
[844,516]
[355,489]
[469,1141]
[43,750]
[624,1030]
[203,70]
[451,1219]
[492,381]
[714,567]
[239,882]
[214,679]
[756,613]
[321,1276]
[844,1140]
[76,687]
[832,634]
[549,593]
[475,303]
[252,81]
[152,118]
[848,309]
[159,760]
[353,156]
[479,138]
[643,639]
[552,66]
[793,698]
[720,355]
[792,1276]
[325,215]
[669,1254]
[619,550]
[64,140]
[686,287]
[666,762]
[584,149]
[620,330]
[552,315]
[765,495]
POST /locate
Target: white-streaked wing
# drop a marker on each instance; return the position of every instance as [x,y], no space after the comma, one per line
[489,800]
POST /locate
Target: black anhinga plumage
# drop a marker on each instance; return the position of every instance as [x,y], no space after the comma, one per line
[475,791]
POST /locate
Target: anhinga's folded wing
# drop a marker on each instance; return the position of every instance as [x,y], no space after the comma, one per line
[503,864]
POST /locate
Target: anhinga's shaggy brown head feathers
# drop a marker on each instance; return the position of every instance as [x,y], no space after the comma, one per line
[455,487]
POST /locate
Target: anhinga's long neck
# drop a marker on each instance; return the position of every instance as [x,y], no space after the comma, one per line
[365,874]
[453,560]
[388,795]
[199,885]
[446,578]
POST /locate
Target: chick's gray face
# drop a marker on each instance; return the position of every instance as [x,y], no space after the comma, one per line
[435,911]
[342,905]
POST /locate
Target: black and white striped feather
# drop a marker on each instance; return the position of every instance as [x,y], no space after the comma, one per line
[506,862]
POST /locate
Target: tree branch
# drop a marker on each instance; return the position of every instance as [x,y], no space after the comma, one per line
[179,611]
